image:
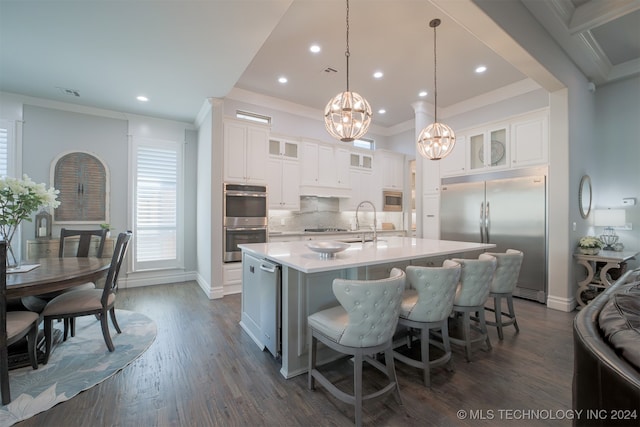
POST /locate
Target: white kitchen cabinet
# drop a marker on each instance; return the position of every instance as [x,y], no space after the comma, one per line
[342,158]
[431,176]
[284,148]
[322,166]
[361,161]
[283,175]
[530,140]
[455,163]
[361,189]
[245,151]
[283,180]
[431,216]
[390,168]
[488,148]
[232,277]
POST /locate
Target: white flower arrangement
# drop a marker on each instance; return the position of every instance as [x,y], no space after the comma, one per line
[19,198]
[588,242]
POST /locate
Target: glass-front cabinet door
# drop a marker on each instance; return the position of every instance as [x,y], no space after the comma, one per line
[283,148]
[476,151]
[488,148]
[497,149]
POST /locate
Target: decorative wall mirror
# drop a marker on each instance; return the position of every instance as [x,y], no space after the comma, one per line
[584,196]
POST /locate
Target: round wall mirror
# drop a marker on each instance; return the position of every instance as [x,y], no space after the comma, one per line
[584,196]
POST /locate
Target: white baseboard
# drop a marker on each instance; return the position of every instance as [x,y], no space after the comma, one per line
[561,304]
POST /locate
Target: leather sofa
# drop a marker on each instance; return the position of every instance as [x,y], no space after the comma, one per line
[606,371]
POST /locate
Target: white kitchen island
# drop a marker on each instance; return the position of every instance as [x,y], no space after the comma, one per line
[306,279]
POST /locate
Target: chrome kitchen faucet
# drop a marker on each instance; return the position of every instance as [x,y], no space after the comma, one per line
[375,220]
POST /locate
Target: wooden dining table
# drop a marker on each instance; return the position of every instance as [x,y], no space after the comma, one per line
[55,274]
[50,275]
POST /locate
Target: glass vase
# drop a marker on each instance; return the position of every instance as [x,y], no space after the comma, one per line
[13,257]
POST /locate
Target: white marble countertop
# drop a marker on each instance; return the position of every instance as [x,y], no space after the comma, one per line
[332,233]
[388,249]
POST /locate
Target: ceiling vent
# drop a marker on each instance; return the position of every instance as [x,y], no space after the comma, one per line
[70,92]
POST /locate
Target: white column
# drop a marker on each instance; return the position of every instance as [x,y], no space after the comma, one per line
[422,119]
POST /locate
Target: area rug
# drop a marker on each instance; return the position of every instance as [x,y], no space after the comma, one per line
[77,364]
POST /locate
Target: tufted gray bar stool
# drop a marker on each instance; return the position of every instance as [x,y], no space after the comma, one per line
[361,326]
[471,295]
[504,282]
[426,306]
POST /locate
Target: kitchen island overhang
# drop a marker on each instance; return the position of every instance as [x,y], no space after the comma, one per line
[306,279]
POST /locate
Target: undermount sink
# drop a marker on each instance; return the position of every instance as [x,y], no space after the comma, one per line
[356,240]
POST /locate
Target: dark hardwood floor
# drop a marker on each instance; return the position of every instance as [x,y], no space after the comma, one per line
[203,370]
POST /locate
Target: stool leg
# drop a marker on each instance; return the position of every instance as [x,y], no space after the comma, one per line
[391,371]
[313,343]
[512,312]
[497,305]
[357,386]
[446,343]
[466,332]
[483,329]
[424,354]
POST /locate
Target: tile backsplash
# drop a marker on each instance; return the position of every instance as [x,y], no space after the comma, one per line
[324,212]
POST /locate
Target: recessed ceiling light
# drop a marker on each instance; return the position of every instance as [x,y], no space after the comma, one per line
[378,74]
[422,94]
[382,111]
[142,98]
[481,69]
[282,80]
[314,48]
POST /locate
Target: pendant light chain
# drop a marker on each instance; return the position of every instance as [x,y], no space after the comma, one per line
[437,140]
[347,53]
[347,115]
[434,24]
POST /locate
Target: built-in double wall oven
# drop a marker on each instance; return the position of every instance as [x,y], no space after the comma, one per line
[245,218]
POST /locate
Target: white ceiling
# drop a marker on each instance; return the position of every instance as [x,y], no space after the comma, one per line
[181,52]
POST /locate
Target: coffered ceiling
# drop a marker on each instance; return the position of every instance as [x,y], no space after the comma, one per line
[180,52]
[601,37]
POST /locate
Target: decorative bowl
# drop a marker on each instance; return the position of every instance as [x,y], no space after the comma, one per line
[327,249]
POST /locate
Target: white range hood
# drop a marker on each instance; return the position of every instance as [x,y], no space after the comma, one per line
[320,191]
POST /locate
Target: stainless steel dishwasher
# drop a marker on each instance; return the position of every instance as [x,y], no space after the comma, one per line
[261,310]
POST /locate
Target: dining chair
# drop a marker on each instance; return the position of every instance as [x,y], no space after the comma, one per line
[37,303]
[85,237]
[504,282]
[361,326]
[85,302]
[471,296]
[426,307]
[14,326]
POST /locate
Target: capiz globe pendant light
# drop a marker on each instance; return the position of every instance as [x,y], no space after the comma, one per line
[437,140]
[347,116]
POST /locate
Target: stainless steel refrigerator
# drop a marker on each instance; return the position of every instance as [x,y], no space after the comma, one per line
[504,209]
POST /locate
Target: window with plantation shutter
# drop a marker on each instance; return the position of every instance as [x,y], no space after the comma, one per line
[157,201]
[5,141]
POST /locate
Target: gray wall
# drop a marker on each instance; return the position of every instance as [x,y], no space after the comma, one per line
[616,174]
[48,132]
